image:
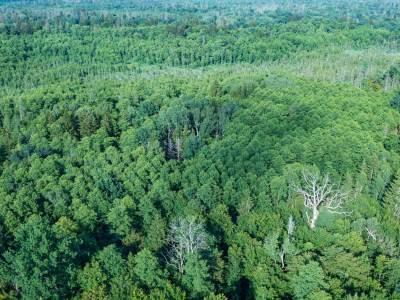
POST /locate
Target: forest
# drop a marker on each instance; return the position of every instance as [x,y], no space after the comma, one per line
[199,149]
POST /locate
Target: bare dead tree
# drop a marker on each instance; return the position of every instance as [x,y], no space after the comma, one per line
[280,250]
[375,234]
[319,192]
[186,236]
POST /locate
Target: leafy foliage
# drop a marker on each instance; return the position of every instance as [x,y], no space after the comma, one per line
[156,149]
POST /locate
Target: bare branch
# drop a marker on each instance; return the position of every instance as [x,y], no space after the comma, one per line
[319,192]
[186,236]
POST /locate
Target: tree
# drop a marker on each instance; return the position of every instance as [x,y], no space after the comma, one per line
[99,274]
[286,247]
[309,281]
[320,193]
[148,270]
[174,120]
[42,262]
[196,277]
[352,271]
[121,215]
[186,237]
[87,121]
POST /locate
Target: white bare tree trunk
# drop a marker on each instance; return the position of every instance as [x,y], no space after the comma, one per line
[282,257]
[314,218]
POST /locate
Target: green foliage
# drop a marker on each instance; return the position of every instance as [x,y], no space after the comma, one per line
[309,282]
[196,277]
[119,119]
[148,270]
[40,253]
[395,102]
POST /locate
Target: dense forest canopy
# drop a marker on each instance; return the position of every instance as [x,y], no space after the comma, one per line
[199,149]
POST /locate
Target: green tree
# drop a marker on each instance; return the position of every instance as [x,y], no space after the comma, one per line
[43,261]
[147,270]
[309,282]
[196,278]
